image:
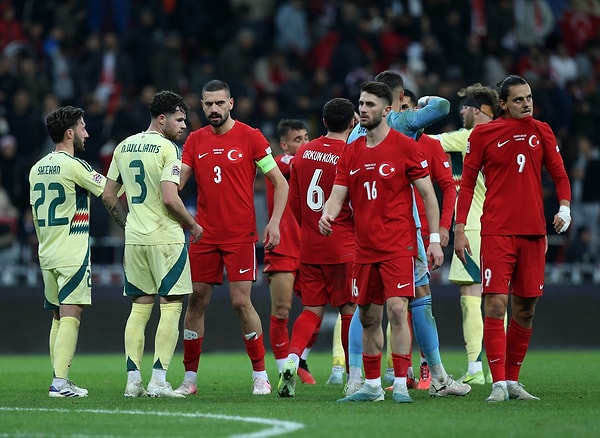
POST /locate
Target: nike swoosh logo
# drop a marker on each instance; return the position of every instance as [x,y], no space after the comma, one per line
[353,171]
[401,286]
[243,271]
[503,143]
[280,345]
[541,286]
[494,360]
[202,155]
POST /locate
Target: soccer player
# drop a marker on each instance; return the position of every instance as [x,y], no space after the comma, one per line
[282,262]
[60,187]
[479,106]
[377,172]
[224,157]
[325,262]
[440,172]
[148,166]
[433,375]
[510,152]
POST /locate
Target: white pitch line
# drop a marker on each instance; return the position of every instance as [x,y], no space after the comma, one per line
[276,427]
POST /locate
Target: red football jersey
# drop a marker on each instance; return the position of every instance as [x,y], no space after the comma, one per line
[379,187]
[313,173]
[289,244]
[440,172]
[510,154]
[224,168]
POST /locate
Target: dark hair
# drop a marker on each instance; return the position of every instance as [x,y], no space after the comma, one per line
[338,113]
[167,102]
[391,78]
[59,121]
[411,95]
[216,85]
[509,81]
[378,89]
[477,95]
[286,125]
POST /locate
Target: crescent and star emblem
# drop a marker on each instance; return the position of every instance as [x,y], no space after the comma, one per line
[386,169]
[534,141]
[234,155]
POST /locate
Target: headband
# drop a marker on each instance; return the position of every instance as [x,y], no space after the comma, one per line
[479,104]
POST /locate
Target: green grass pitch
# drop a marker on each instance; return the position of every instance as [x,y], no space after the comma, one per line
[567,382]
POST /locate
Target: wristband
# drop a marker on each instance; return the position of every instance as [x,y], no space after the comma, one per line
[434,238]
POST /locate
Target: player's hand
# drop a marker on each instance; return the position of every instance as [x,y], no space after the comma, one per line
[435,255]
[272,236]
[444,237]
[325,225]
[423,101]
[196,232]
[461,244]
[562,219]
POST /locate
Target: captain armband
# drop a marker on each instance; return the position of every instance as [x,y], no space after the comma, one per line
[266,163]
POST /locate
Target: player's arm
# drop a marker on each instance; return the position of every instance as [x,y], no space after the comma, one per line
[174,204]
[433,109]
[465,197]
[280,197]
[332,208]
[555,166]
[36,226]
[562,219]
[442,175]
[110,198]
[186,172]
[294,195]
[434,251]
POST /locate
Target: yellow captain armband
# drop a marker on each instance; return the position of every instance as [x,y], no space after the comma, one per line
[266,164]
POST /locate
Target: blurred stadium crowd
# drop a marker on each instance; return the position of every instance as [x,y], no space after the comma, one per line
[285,59]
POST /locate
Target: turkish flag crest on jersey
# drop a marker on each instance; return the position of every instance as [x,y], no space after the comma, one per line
[387,169]
[235,155]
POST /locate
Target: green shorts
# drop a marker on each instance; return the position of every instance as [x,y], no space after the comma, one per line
[157,269]
[67,285]
[469,273]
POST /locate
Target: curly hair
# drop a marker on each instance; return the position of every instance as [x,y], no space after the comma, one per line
[59,121]
[167,102]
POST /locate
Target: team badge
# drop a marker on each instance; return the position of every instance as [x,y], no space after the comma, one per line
[534,141]
[387,169]
[97,177]
[235,155]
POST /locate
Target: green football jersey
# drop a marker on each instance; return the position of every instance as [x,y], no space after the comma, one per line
[60,187]
[141,162]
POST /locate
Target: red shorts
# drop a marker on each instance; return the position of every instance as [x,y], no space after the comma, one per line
[275,263]
[208,261]
[514,264]
[280,263]
[326,284]
[376,282]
